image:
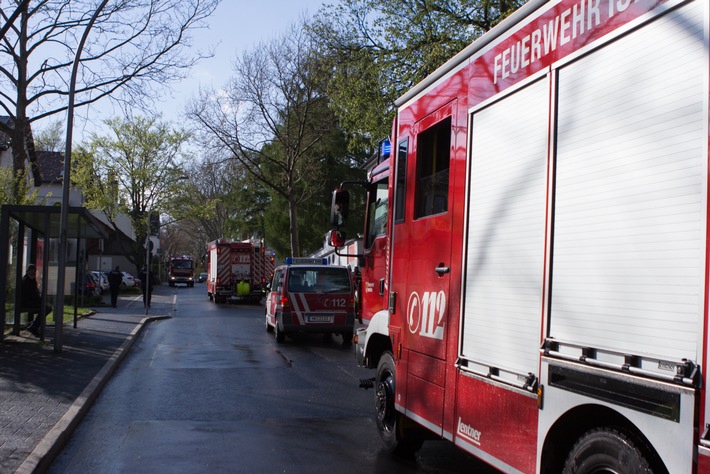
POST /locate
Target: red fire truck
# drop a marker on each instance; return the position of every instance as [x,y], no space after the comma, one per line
[181,269]
[535,264]
[237,269]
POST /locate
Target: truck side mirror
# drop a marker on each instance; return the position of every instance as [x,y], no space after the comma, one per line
[339,208]
[336,239]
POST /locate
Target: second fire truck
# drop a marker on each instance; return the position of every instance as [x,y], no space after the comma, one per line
[237,270]
[535,264]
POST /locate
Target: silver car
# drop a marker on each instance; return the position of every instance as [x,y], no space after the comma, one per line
[102,280]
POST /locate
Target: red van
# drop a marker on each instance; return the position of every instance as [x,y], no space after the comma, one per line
[309,296]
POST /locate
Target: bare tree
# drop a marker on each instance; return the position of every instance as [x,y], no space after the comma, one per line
[208,204]
[273,119]
[135,47]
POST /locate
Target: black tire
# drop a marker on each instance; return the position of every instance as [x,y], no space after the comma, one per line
[605,450]
[347,338]
[396,438]
[278,333]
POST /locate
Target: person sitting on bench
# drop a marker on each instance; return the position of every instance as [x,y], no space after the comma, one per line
[31,300]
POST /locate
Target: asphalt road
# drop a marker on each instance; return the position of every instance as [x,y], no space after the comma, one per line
[209,390]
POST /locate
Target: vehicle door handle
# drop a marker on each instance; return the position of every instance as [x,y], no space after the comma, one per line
[442,270]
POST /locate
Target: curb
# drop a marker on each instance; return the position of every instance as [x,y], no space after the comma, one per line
[51,445]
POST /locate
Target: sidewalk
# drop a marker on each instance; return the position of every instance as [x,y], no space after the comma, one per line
[44,395]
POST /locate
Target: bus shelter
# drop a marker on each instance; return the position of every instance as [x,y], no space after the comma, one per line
[32,229]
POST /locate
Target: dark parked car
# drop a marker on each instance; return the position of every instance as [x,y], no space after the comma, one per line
[202,277]
[90,286]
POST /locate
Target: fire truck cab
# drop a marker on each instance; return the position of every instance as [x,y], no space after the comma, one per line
[306,295]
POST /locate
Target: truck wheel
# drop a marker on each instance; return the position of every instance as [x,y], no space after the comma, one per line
[347,338]
[605,450]
[278,333]
[269,327]
[390,423]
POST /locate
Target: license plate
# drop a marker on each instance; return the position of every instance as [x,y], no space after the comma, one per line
[319,318]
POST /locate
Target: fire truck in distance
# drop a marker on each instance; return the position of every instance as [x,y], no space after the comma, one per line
[181,269]
[535,257]
[238,270]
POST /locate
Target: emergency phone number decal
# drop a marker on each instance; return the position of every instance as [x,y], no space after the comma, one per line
[425,315]
[335,303]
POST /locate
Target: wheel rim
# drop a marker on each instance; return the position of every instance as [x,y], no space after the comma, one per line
[384,402]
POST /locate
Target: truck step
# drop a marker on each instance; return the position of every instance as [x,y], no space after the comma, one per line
[367,383]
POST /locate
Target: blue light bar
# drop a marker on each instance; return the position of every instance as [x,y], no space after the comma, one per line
[385,150]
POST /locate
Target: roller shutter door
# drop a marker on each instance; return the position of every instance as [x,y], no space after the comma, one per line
[506,231]
[630,197]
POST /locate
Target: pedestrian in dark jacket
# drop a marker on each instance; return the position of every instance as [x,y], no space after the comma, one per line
[146,286]
[31,301]
[115,278]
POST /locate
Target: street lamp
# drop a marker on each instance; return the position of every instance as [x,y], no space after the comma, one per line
[64,215]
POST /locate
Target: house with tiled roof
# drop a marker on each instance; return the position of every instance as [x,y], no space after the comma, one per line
[51,170]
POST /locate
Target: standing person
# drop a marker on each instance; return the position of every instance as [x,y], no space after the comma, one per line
[31,300]
[115,278]
[146,286]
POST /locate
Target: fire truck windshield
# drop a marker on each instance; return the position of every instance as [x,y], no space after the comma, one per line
[182,264]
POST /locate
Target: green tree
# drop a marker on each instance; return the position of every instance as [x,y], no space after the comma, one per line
[51,138]
[375,50]
[9,182]
[314,213]
[135,170]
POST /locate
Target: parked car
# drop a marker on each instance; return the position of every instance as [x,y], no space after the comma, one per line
[102,279]
[311,298]
[202,277]
[90,286]
[129,280]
